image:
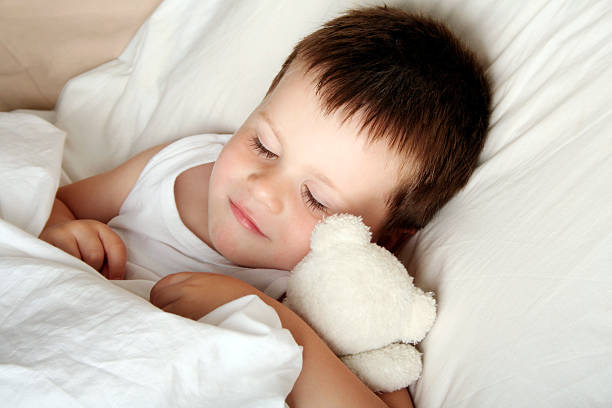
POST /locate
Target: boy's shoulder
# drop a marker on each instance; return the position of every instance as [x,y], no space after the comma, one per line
[183,153]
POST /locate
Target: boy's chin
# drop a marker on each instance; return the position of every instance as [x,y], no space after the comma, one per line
[255,259]
[238,254]
[250,252]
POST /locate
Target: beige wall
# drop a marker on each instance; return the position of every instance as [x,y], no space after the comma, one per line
[44,43]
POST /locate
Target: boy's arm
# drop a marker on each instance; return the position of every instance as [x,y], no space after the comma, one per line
[324,380]
[100,197]
[77,223]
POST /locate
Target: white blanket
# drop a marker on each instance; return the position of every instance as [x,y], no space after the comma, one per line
[69,337]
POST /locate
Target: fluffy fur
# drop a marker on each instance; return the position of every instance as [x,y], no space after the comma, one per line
[362,301]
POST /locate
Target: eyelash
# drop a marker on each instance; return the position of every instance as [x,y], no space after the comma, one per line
[309,199]
[312,202]
[261,149]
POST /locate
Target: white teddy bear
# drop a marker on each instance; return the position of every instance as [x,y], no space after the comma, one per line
[361,300]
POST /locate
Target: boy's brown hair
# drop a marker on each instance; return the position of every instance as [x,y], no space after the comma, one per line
[414,85]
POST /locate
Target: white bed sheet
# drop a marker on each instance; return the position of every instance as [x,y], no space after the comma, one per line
[71,338]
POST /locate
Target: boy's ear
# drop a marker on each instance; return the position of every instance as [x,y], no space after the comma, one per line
[394,240]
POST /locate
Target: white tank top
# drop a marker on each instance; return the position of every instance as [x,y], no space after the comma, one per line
[158,242]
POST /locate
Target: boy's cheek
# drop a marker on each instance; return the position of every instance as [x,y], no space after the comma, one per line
[296,245]
[230,164]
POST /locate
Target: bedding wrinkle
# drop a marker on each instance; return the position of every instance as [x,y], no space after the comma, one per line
[519,41]
[36,378]
[538,88]
[535,62]
[531,144]
[74,330]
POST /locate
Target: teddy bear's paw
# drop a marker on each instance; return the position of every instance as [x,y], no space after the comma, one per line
[423,315]
[339,229]
[388,368]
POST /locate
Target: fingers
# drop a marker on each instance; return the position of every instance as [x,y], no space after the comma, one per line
[65,243]
[195,294]
[173,279]
[168,289]
[101,248]
[183,294]
[90,248]
[104,271]
[182,308]
[116,256]
[93,242]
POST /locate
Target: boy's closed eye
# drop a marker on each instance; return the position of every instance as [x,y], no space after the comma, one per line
[261,149]
[312,203]
[309,199]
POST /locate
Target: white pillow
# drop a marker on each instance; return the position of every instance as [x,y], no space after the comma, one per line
[520,260]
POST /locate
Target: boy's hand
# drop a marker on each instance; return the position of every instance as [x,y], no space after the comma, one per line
[324,380]
[93,242]
[195,294]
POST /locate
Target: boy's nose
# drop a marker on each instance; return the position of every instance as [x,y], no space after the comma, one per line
[266,189]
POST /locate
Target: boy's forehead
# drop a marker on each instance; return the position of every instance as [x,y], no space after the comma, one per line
[296,82]
[297,92]
[294,107]
[304,83]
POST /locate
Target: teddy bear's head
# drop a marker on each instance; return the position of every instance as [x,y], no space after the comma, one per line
[355,294]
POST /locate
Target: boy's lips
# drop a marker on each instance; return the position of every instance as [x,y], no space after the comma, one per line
[244,219]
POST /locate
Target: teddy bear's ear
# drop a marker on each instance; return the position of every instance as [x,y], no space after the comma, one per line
[337,229]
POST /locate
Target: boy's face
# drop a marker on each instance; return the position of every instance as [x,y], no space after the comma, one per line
[287,167]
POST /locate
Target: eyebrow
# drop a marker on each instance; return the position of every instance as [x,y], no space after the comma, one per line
[280,138]
[326,180]
[267,119]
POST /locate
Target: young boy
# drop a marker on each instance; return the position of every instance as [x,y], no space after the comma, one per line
[379,113]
